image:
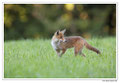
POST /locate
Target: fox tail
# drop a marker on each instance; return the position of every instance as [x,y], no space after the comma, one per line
[88,46]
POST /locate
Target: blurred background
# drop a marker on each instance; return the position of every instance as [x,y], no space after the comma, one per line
[35,21]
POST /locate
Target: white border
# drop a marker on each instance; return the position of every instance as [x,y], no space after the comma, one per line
[117,41]
[56,2]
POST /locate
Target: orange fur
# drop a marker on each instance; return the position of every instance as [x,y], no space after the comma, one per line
[61,43]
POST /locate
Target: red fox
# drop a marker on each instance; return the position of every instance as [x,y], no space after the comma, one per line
[61,43]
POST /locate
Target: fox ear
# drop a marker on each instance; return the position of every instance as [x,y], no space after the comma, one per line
[63,31]
[57,33]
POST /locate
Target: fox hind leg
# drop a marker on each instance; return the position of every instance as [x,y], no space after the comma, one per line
[80,52]
[78,49]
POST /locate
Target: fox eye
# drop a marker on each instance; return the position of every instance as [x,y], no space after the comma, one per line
[60,36]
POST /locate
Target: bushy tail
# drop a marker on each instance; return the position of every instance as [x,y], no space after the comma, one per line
[91,48]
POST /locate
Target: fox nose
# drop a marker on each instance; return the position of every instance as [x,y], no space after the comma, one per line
[64,40]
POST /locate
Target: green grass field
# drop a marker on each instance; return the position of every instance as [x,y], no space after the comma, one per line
[37,59]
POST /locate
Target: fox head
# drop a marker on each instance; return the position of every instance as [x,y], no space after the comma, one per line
[59,35]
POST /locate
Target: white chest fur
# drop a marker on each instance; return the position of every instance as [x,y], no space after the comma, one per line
[55,45]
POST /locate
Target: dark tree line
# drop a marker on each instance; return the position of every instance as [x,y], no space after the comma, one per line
[41,21]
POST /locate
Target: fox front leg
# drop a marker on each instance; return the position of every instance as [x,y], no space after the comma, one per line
[63,51]
[58,52]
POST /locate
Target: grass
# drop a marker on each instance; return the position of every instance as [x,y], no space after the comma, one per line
[37,59]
